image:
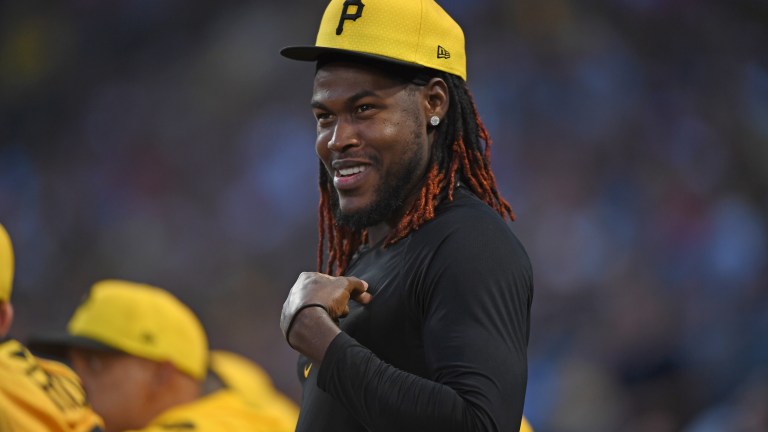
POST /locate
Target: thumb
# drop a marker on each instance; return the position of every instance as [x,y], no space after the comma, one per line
[363,298]
[360,293]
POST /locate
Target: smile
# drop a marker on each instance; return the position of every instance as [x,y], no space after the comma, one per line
[350,177]
[346,172]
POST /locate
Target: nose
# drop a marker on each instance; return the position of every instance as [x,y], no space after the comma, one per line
[344,136]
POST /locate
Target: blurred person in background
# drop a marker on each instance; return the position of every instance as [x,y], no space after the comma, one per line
[35,394]
[143,358]
[243,376]
[437,336]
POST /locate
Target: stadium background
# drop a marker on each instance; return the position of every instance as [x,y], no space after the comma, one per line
[166,141]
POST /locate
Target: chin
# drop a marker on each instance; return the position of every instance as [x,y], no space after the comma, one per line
[351,206]
[355,217]
[363,211]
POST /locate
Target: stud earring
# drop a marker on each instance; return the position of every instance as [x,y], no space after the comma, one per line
[434,121]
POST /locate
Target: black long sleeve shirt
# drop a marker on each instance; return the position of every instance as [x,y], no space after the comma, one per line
[443,344]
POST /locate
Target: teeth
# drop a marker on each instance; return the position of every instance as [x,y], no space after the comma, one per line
[343,172]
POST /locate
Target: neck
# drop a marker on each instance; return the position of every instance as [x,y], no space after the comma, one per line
[180,389]
[377,233]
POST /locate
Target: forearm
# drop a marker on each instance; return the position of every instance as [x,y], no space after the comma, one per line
[385,398]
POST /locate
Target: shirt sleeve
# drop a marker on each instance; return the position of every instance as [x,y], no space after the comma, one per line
[474,306]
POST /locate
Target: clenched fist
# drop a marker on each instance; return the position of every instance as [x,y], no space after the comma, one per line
[331,293]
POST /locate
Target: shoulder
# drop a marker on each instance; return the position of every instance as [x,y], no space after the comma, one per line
[218,402]
[42,393]
[12,350]
[466,227]
[220,410]
[16,358]
[57,369]
[466,214]
[193,416]
[468,250]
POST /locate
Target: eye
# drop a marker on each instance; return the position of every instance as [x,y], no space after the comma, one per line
[322,117]
[364,107]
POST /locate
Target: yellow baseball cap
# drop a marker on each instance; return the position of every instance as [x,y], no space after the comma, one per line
[6,265]
[242,375]
[411,32]
[137,319]
[253,384]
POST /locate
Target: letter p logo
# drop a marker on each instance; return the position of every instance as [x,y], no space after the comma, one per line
[346,15]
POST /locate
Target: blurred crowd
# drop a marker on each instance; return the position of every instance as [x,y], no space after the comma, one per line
[166,141]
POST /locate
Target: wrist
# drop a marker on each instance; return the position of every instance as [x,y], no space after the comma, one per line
[296,314]
[311,331]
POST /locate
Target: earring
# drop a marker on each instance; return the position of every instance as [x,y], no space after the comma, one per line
[434,121]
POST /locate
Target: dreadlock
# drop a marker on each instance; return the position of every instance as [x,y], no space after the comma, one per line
[461,152]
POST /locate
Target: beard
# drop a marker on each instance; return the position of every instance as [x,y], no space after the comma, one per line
[391,194]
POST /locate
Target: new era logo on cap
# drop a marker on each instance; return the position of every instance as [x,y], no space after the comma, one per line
[443,53]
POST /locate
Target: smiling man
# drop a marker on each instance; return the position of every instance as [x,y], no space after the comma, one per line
[412,230]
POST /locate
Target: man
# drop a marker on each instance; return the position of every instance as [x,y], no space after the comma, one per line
[436,337]
[143,358]
[35,394]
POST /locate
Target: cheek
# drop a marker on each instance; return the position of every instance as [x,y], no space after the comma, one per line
[321,145]
[402,140]
[389,130]
[122,393]
[321,149]
[106,395]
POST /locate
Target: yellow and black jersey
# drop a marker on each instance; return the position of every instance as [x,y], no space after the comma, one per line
[223,410]
[41,395]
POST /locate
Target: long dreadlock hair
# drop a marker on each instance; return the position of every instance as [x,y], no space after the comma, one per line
[461,152]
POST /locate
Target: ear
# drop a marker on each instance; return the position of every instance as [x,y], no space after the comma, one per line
[163,372]
[437,98]
[6,317]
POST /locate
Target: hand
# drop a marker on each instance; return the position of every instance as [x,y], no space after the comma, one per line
[328,292]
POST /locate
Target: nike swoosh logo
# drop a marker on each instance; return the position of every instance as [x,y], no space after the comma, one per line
[307,367]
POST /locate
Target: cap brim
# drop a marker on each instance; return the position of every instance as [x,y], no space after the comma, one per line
[313,53]
[57,344]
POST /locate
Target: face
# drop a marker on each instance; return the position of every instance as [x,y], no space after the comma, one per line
[372,139]
[117,385]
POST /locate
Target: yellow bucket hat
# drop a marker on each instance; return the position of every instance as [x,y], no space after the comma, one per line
[6,265]
[412,32]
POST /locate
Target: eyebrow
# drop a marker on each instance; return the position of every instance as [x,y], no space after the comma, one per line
[350,100]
